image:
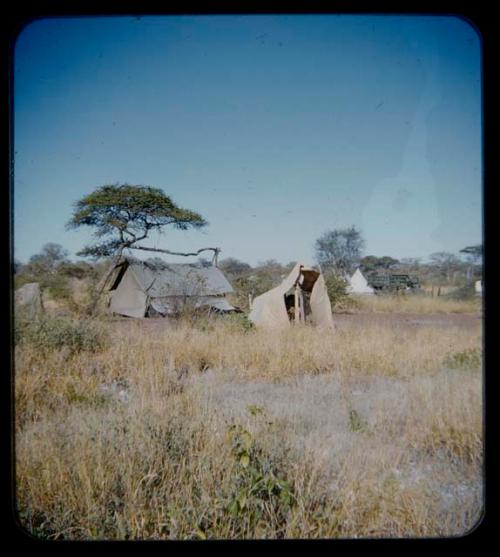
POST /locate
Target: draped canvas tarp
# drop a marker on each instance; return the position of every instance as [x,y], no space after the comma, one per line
[269,309]
[142,288]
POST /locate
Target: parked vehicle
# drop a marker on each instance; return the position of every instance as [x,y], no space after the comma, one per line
[393,282]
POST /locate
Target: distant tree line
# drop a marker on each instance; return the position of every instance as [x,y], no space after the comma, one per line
[338,253]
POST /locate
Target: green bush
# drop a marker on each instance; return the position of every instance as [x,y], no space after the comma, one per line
[336,287]
[58,288]
[467,359]
[260,493]
[467,292]
[54,333]
[239,321]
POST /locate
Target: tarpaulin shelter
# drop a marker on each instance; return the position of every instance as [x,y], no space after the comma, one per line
[301,298]
[29,296]
[144,288]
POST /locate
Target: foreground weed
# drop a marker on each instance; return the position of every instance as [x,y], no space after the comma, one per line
[260,493]
[356,422]
[466,359]
[54,333]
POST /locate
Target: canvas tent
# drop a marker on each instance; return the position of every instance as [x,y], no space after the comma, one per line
[358,284]
[141,288]
[29,297]
[301,297]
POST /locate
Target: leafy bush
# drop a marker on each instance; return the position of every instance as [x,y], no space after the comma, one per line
[79,270]
[250,286]
[54,333]
[468,359]
[467,292]
[356,422]
[260,492]
[58,287]
[336,287]
[238,321]
[208,323]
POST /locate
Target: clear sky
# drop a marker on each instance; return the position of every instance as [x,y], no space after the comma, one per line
[274,128]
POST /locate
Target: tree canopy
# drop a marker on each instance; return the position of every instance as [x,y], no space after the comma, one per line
[234,267]
[340,250]
[122,215]
[50,256]
[475,253]
[372,263]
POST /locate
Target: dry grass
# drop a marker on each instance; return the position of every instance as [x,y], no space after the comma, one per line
[212,431]
[414,303]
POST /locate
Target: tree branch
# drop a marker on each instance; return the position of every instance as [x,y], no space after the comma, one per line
[215,250]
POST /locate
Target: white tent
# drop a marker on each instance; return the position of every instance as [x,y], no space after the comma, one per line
[358,284]
[301,297]
[478,286]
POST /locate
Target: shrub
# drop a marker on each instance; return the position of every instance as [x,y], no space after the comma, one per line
[58,288]
[467,292]
[336,287]
[237,321]
[467,359]
[209,323]
[259,492]
[55,333]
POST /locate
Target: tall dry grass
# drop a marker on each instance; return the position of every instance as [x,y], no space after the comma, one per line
[376,433]
[414,303]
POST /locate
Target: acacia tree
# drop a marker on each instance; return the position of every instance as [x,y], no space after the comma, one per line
[474,255]
[123,215]
[445,263]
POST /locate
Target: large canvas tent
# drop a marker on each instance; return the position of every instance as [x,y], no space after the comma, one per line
[301,297]
[358,284]
[143,289]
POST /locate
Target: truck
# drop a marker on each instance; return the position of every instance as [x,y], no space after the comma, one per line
[393,282]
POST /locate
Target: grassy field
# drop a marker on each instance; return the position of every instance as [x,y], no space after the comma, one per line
[415,304]
[210,429]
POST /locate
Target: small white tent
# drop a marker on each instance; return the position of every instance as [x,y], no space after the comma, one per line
[358,284]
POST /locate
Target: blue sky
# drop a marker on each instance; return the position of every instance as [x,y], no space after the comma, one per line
[274,128]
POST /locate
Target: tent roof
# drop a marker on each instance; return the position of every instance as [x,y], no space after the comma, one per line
[159,279]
